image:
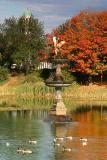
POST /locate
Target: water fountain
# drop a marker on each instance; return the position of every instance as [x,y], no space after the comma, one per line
[58,110]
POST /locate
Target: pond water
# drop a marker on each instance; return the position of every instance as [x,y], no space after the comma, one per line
[17,127]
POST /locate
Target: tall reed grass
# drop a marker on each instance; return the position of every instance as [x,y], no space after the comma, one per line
[23,103]
[72,92]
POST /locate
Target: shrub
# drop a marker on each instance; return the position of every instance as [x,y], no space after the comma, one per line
[67,76]
[4,74]
[33,78]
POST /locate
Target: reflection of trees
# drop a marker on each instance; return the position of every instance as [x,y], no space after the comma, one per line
[18,124]
[82,106]
[88,108]
[38,114]
[92,125]
[60,130]
[94,114]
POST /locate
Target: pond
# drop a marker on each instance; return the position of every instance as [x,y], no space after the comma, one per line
[89,121]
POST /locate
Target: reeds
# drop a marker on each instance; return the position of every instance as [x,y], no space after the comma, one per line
[44,104]
[72,92]
[85,93]
[28,90]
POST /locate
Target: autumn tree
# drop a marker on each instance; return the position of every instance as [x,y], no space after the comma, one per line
[86,42]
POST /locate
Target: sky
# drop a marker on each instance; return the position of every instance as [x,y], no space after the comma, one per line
[51,13]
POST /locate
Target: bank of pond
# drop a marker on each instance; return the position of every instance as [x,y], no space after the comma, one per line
[75,91]
[22,103]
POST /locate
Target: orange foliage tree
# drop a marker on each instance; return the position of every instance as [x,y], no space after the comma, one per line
[86,42]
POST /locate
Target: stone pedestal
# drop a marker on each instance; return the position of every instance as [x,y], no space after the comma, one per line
[59,107]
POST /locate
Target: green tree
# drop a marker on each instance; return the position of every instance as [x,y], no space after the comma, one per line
[21,41]
[4,74]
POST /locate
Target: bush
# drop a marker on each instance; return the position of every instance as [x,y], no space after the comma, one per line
[67,76]
[4,74]
[33,78]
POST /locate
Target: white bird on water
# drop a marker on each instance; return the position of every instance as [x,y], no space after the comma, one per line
[24,150]
[84,141]
[32,141]
[67,149]
[7,144]
[69,137]
[57,144]
[59,138]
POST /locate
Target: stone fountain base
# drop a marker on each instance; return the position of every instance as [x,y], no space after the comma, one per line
[58,113]
[60,118]
[58,109]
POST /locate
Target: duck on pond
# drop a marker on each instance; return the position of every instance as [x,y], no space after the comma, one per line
[67,149]
[68,137]
[59,138]
[24,150]
[32,141]
[83,139]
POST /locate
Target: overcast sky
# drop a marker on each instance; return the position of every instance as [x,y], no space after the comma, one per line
[51,12]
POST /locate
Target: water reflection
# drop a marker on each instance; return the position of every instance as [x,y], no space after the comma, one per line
[17,128]
[91,125]
[89,121]
[38,114]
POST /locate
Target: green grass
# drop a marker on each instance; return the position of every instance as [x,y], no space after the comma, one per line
[40,90]
[22,103]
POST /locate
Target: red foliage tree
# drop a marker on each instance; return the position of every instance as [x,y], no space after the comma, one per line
[86,42]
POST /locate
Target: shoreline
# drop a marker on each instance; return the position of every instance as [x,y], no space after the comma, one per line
[22,103]
[14,88]
[74,98]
